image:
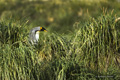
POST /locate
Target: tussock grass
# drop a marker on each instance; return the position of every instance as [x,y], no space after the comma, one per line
[90,52]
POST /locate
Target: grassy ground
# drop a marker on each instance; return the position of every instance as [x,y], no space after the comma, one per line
[92,52]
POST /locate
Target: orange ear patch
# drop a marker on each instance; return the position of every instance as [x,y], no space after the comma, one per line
[40,28]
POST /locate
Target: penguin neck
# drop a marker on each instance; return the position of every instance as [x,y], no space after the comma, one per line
[37,36]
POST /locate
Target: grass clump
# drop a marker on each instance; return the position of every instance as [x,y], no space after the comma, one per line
[97,43]
[12,31]
[92,51]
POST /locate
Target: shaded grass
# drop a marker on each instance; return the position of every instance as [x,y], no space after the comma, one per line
[90,52]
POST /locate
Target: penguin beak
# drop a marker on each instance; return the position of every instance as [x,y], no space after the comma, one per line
[45,30]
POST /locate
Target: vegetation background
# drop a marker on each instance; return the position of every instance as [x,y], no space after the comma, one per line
[82,42]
